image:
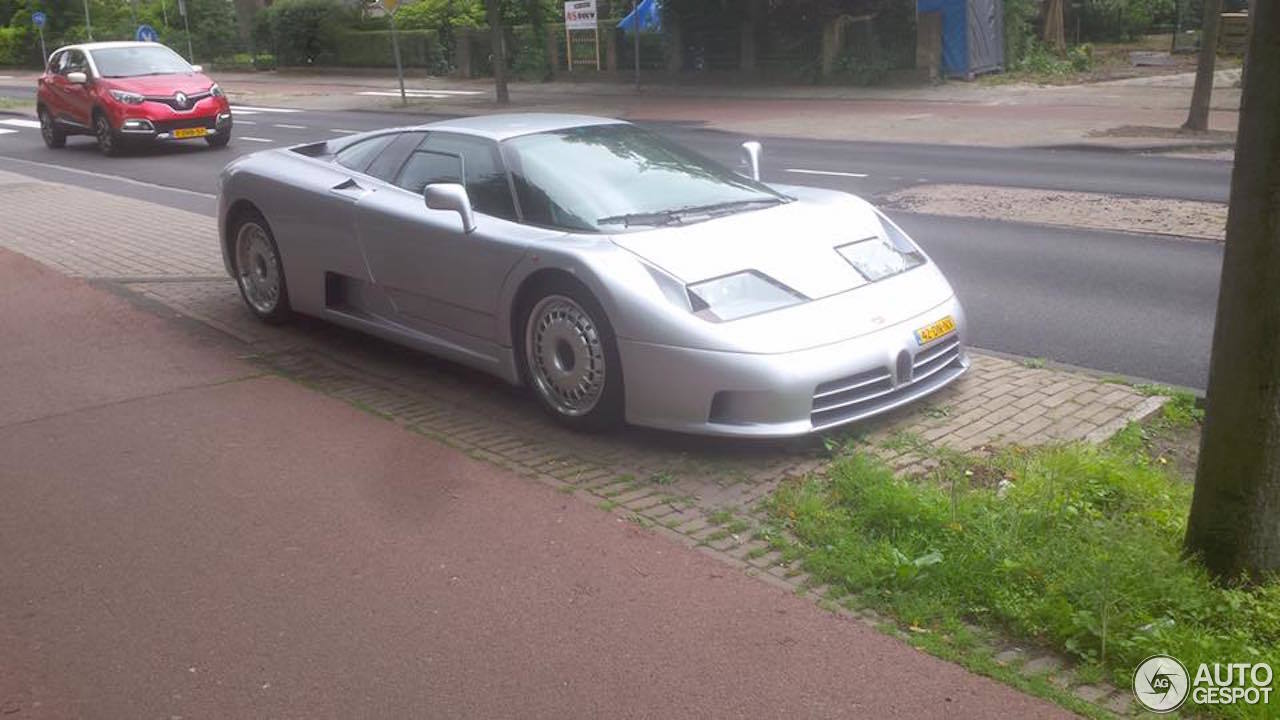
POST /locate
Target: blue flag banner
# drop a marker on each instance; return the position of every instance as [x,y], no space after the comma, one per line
[648,15]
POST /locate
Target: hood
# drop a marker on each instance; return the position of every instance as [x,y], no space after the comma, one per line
[792,243]
[161,85]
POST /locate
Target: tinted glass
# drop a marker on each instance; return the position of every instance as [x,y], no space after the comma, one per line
[425,167]
[139,60]
[579,177]
[437,160]
[358,156]
[73,61]
[388,163]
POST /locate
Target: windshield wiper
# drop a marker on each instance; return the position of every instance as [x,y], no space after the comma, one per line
[666,217]
[724,208]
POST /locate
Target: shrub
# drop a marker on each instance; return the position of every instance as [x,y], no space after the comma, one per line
[437,14]
[372,48]
[305,32]
[16,47]
[1019,30]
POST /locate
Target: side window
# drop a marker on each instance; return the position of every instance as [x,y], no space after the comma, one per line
[446,156]
[55,62]
[387,165]
[73,61]
[359,156]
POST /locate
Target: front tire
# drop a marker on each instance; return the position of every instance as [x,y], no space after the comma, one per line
[108,139]
[570,357]
[217,142]
[259,271]
[54,137]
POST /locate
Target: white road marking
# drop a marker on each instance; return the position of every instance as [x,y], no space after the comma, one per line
[245,122]
[289,127]
[254,139]
[255,109]
[826,172]
[6,131]
[422,92]
[6,77]
[16,122]
[344,132]
[237,112]
[414,95]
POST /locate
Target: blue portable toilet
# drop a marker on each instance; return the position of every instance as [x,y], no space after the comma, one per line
[972,35]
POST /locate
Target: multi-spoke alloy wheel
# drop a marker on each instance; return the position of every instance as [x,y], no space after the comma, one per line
[108,143]
[570,356]
[566,355]
[258,271]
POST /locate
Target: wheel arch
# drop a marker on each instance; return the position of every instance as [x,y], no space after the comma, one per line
[238,210]
[525,294]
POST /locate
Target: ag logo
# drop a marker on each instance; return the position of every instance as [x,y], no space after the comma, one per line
[1160,683]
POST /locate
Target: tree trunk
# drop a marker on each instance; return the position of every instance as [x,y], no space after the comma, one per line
[1198,118]
[1054,31]
[1235,515]
[494,11]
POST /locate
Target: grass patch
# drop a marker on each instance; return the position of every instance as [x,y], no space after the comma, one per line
[1081,553]
[720,517]
[607,505]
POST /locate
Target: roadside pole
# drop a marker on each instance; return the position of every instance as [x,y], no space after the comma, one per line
[390,6]
[635,31]
[186,27]
[88,26]
[38,19]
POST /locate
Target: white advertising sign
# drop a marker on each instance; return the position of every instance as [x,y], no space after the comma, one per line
[580,15]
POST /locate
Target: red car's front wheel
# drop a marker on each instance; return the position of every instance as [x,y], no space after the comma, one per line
[108,140]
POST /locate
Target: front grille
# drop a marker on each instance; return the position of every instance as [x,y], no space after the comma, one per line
[171,102]
[164,126]
[857,396]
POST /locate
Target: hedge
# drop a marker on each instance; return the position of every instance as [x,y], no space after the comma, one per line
[372,48]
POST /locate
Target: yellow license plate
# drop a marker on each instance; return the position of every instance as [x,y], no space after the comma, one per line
[942,328]
[190,132]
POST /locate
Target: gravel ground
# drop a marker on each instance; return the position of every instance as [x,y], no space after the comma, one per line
[1183,218]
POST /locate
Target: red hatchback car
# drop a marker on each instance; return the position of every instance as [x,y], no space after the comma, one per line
[120,92]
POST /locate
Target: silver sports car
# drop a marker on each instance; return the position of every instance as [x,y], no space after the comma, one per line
[620,276]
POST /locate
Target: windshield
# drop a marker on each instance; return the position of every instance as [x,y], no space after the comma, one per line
[610,177]
[142,60]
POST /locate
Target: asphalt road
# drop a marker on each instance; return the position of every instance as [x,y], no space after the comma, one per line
[1125,304]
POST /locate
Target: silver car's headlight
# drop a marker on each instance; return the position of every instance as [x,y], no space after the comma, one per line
[881,256]
[126,97]
[739,295]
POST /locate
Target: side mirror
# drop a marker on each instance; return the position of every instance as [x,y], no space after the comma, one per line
[197,68]
[77,78]
[751,154]
[451,196]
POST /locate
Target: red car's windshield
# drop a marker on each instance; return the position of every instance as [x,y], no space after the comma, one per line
[134,61]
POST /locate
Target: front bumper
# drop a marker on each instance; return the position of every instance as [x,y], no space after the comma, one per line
[789,394]
[147,129]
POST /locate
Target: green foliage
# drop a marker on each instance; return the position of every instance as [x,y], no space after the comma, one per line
[437,14]
[372,48]
[1119,20]
[1081,552]
[1041,61]
[15,47]
[1019,30]
[305,32]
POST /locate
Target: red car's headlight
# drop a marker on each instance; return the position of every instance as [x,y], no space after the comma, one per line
[126,97]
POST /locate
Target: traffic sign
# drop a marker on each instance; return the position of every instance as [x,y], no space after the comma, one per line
[38,18]
[146,33]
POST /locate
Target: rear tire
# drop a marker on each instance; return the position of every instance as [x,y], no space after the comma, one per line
[217,142]
[108,139]
[54,137]
[259,270]
[569,355]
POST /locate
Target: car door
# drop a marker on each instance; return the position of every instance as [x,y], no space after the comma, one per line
[443,281]
[77,98]
[55,80]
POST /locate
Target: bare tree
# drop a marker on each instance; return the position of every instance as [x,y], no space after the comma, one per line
[1235,516]
[1198,118]
[493,9]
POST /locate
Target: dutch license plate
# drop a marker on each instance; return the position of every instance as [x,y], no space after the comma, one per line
[942,328]
[184,133]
